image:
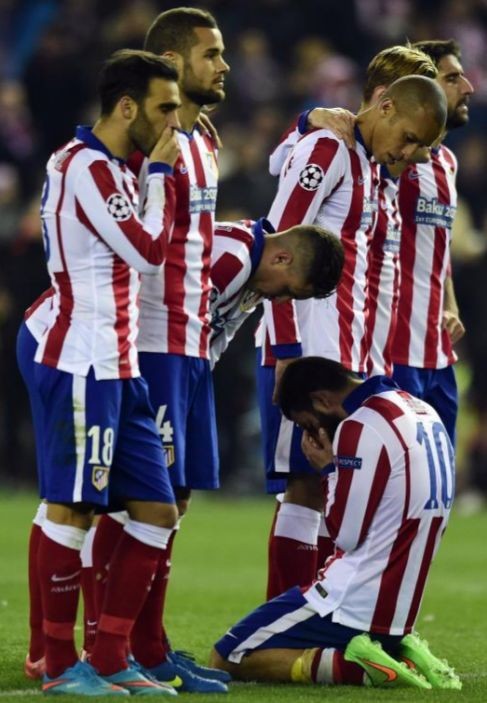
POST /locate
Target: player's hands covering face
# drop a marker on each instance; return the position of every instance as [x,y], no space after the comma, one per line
[317,448]
[167,148]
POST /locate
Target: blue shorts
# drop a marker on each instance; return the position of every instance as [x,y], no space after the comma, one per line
[288,622]
[26,349]
[438,387]
[100,444]
[181,392]
[281,438]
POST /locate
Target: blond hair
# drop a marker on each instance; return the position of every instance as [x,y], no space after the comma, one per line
[396,62]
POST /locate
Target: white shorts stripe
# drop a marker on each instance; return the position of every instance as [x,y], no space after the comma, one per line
[283,446]
[262,634]
[79,417]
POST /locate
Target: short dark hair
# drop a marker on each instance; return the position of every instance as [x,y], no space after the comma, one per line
[173,30]
[129,72]
[436,49]
[322,257]
[306,375]
[412,92]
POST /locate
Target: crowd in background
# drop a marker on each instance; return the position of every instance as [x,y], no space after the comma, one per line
[285,57]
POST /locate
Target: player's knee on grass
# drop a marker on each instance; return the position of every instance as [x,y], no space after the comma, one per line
[152,513]
[305,490]
[216,661]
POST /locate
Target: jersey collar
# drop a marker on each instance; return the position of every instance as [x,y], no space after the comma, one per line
[259,230]
[359,138]
[84,134]
[372,386]
[386,174]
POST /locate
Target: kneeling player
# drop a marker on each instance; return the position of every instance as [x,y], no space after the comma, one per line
[354,624]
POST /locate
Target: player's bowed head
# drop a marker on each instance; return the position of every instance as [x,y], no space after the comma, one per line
[411,114]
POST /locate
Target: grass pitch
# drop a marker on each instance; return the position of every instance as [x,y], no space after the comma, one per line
[219,575]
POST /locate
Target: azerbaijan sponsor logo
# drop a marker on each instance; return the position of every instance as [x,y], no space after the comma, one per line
[202,199]
[432,212]
[392,242]
[368,213]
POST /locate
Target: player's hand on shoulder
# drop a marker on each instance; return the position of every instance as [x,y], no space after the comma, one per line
[207,126]
[167,148]
[453,325]
[317,448]
[339,121]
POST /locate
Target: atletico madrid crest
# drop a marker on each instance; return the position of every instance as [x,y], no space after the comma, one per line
[169,453]
[99,477]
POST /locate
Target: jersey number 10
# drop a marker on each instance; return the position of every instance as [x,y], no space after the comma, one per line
[436,457]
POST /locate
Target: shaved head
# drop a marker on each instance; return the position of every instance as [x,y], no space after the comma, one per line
[413,93]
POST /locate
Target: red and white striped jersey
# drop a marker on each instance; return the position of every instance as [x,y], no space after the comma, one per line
[325,183]
[96,245]
[37,315]
[388,505]
[383,278]
[237,251]
[174,307]
[427,203]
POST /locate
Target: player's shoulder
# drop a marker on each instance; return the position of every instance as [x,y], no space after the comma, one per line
[322,150]
[448,157]
[234,236]
[322,137]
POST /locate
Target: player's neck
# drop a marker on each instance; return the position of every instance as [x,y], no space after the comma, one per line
[188,114]
[440,139]
[116,141]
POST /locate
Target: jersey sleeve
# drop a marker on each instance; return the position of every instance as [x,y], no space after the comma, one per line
[288,140]
[356,487]
[314,168]
[106,209]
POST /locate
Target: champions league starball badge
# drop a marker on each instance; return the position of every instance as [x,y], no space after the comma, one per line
[311,177]
[119,207]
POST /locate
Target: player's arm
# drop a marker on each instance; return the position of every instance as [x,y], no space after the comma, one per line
[314,169]
[340,122]
[105,208]
[356,487]
[451,321]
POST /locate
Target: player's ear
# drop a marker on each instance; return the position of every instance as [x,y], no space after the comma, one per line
[282,257]
[323,401]
[175,58]
[128,108]
[378,93]
[387,107]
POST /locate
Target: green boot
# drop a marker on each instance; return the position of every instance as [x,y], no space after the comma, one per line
[439,673]
[381,669]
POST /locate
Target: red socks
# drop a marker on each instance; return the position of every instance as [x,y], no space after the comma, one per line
[293,548]
[149,642]
[108,533]
[329,666]
[36,644]
[59,571]
[88,590]
[133,567]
